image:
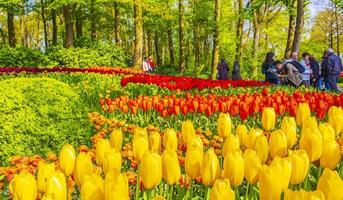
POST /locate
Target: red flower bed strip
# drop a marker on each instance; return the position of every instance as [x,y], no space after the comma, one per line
[243,105]
[187,83]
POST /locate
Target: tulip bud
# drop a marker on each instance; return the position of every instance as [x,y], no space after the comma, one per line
[252,166]
[92,187]
[151,170]
[116,139]
[300,166]
[67,159]
[44,172]
[331,184]
[188,131]
[261,147]
[116,186]
[194,156]
[159,198]
[221,190]
[335,120]
[268,119]
[242,133]
[231,144]
[302,194]
[102,146]
[23,186]
[171,172]
[170,139]
[83,166]
[285,170]
[270,183]
[140,143]
[289,127]
[210,168]
[234,168]
[327,131]
[310,122]
[155,142]
[278,144]
[112,161]
[253,134]
[331,154]
[303,112]
[224,125]
[311,142]
[56,187]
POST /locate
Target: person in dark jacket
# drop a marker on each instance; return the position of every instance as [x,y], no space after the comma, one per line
[223,70]
[236,74]
[315,72]
[288,74]
[268,69]
[332,66]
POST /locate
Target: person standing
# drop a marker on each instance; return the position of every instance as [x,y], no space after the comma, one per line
[305,62]
[332,66]
[315,82]
[236,74]
[223,70]
[269,70]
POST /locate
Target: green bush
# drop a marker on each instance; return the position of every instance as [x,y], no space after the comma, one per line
[39,115]
[22,56]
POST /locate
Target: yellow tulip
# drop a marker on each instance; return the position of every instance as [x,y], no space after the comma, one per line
[303,112]
[188,132]
[268,119]
[289,127]
[303,195]
[116,139]
[278,144]
[83,166]
[270,183]
[285,170]
[210,168]
[101,147]
[151,170]
[221,190]
[194,156]
[140,143]
[234,167]
[67,159]
[224,125]
[171,172]
[92,187]
[23,186]
[56,187]
[253,134]
[252,166]
[45,170]
[231,144]
[300,166]
[331,185]
[155,142]
[170,139]
[261,147]
[116,187]
[242,133]
[327,131]
[112,161]
[310,122]
[311,142]
[159,198]
[331,154]
[337,124]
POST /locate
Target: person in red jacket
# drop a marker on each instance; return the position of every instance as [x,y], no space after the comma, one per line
[151,63]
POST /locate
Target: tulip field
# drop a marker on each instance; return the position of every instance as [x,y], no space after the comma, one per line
[157,137]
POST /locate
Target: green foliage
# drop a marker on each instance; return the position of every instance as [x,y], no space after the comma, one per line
[39,115]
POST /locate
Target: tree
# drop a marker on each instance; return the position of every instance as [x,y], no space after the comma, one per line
[116,22]
[239,32]
[10,26]
[67,12]
[138,53]
[181,37]
[298,26]
[216,40]
[291,25]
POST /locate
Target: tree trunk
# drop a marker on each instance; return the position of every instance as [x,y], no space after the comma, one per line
[216,40]
[10,25]
[181,37]
[150,49]
[298,26]
[157,50]
[239,32]
[79,23]
[116,23]
[337,29]
[256,41]
[54,27]
[46,42]
[138,54]
[171,46]
[93,20]
[291,26]
[69,40]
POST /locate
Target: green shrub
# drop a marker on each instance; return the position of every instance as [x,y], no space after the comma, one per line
[39,115]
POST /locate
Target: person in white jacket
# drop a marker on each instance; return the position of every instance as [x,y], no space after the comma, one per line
[145,67]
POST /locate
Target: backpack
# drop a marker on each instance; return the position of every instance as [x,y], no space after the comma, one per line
[297,65]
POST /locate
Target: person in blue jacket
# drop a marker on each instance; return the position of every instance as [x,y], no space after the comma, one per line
[331,69]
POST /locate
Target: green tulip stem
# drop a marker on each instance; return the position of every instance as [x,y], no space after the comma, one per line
[191,189]
[208,193]
[138,181]
[247,192]
[171,192]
